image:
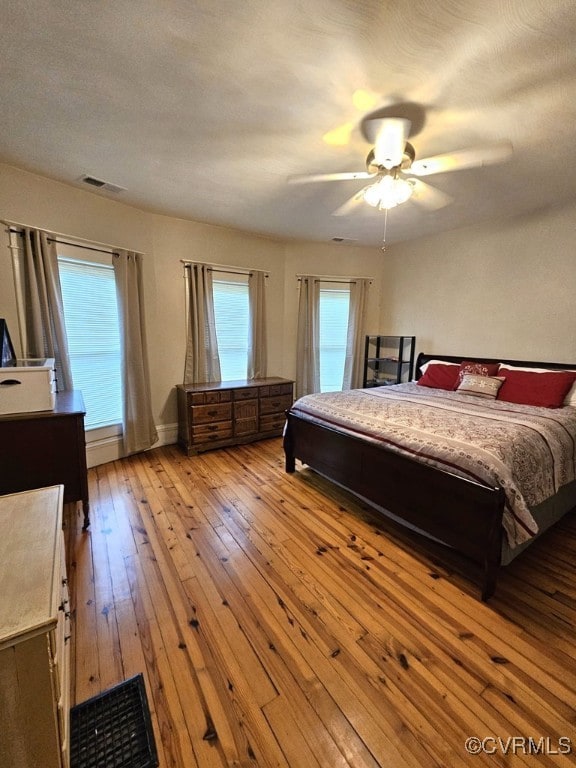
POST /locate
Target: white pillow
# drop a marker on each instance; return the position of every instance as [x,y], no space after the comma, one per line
[504,366]
[570,398]
[436,362]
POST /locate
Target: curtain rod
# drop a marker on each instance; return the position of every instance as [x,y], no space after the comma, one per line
[66,242]
[335,279]
[223,268]
[86,247]
[18,226]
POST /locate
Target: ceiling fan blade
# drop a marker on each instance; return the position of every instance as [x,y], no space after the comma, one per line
[465,158]
[339,136]
[429,197]
[389,135]
[351,204]
[308,178]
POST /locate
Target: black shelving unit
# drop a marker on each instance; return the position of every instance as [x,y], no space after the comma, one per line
[388,360]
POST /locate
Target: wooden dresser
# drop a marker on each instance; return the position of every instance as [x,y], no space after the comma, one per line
[34,631]
[46,448]
[231,412]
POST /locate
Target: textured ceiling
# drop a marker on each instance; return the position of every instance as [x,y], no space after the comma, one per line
[202,109]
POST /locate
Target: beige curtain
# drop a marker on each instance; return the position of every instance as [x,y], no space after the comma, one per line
[139,432]
[308,337]
[43,312]
[257,363]
[354,363]
[202,363]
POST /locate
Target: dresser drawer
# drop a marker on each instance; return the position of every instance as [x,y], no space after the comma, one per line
[275,404]
[272,422]
[246,426]
[208,432]
[204,414]
[207,398]
[245,393]
[222,396]
[246,409]
[280,389]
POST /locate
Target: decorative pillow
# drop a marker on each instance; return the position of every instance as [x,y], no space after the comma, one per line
[544,389]
[570,398]
[479,369]
[480,386]
[439,376]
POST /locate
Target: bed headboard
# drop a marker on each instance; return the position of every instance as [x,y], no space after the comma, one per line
[424,357]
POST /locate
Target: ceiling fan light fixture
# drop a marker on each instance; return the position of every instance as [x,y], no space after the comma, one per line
[388,192]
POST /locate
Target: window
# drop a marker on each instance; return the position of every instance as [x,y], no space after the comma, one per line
[231,312]
[334,307]
[93,330]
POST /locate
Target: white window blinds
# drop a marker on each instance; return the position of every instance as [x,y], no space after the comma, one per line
[334,309]
[92,327]
[231,313]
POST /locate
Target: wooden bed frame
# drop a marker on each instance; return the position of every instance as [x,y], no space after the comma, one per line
[460,513]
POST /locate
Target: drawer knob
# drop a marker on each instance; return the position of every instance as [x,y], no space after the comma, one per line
[9,382]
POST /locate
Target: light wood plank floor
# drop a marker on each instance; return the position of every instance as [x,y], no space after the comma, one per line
[278,622]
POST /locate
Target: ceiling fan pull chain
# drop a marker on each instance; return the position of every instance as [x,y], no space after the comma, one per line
[385,225]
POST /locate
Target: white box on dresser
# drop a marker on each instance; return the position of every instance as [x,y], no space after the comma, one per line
[30,385]
[34,631]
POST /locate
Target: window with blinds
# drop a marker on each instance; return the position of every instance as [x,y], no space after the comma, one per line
[334,308]
[231,313]
[93,330]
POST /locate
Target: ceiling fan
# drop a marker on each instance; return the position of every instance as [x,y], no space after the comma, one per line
[391,167]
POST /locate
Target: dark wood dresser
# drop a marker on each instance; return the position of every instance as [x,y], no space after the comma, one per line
[43,448]
[231,412]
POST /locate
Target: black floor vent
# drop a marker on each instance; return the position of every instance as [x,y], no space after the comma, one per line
[113,729]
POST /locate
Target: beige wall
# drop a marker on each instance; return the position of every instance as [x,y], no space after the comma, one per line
[176,239]
[39,202]
[501,289]
[328,259]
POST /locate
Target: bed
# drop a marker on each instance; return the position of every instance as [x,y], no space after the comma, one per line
[489,507]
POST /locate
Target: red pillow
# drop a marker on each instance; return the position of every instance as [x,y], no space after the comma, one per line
[439,376]
[478,369]
[546,390]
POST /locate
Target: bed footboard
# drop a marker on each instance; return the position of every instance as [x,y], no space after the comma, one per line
[460,513]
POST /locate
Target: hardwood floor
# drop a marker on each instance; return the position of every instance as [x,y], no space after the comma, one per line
[278,622]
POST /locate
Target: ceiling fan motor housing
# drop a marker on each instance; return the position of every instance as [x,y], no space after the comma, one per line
[407,160]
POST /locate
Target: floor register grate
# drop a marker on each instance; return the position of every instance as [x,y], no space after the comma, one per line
[113,729]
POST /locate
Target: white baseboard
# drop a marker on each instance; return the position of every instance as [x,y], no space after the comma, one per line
[110,448]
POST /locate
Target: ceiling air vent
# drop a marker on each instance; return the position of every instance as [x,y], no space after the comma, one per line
[100,184]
